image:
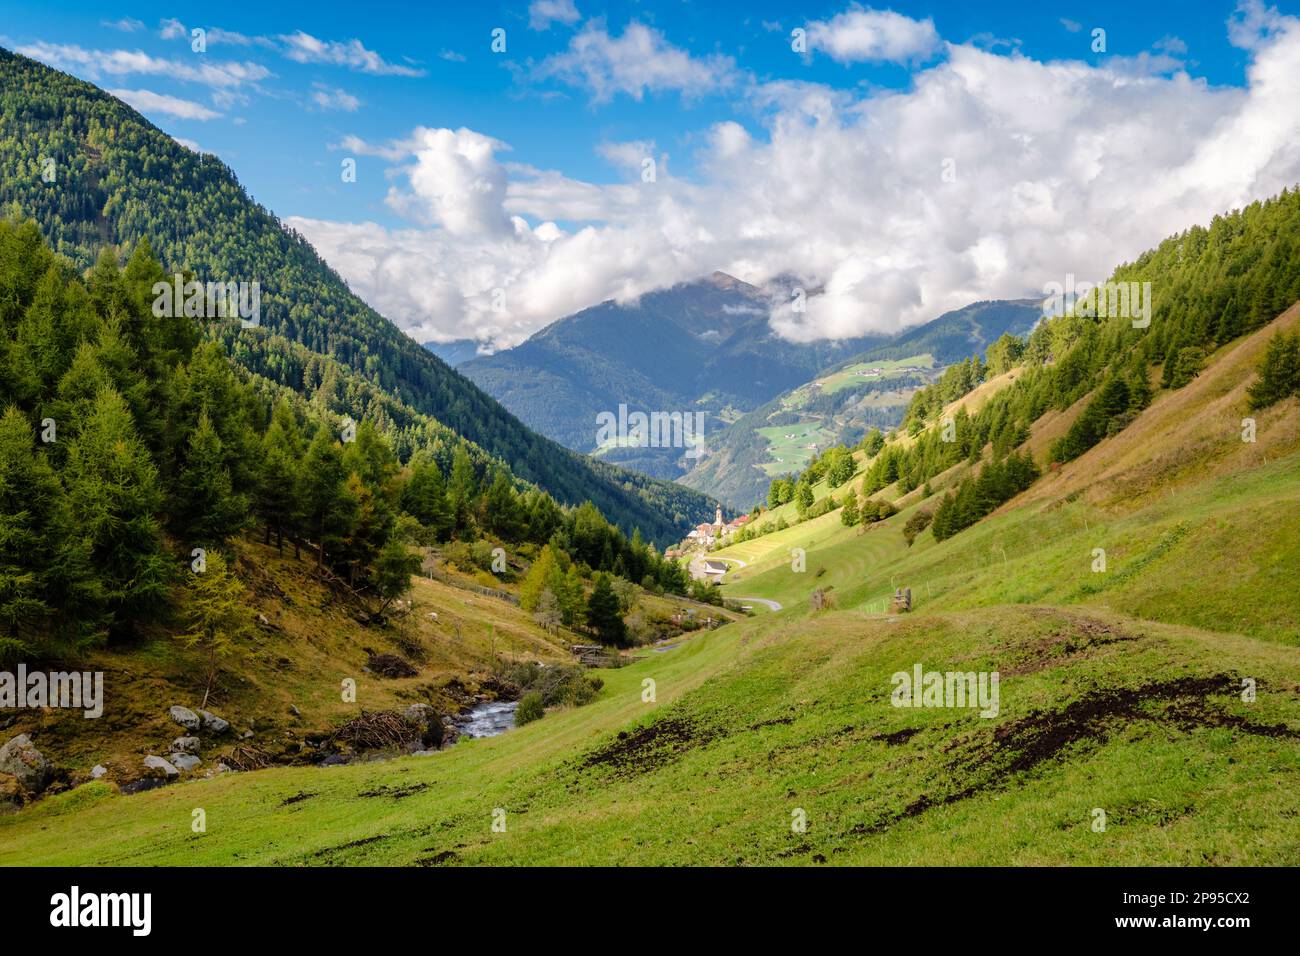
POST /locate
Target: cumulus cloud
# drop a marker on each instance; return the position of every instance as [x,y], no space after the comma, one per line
[874,36]
[992,175]
[146,101]
[638,62]
[542,13]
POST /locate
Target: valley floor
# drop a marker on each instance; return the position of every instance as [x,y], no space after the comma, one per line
[759,726]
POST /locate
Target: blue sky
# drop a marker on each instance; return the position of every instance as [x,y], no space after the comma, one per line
[552,131]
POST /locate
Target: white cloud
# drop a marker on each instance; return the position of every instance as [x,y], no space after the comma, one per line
[542,13]
[302,47]
[1252,24]
[393,151]
[875,36]
[333,98]
[172,29]
[146,101]
[96,63]
[456,183]
[638,62]
[1073,26]
[125,24]
[1061,167]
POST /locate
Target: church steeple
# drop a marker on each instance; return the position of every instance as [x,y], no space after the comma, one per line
[718,520]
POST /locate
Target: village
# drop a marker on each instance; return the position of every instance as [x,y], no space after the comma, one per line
[701,539]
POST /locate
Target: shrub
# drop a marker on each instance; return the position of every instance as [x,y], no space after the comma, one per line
[530,708]
[915,525]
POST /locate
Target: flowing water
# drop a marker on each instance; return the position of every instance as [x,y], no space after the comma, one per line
[489,718]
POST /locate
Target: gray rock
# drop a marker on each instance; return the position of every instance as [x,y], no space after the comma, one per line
[185,717]
[152,762]
[25,763]
[186,745]
[420,714]
[185,762]
[99,770]
[213,723]
[247,734]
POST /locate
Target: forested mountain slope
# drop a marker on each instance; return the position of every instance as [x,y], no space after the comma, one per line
[116,179]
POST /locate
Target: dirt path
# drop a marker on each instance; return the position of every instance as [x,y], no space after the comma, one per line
[772,605]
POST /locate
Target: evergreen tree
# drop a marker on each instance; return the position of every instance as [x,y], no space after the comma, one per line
[603,615]
[424,497]
[280,491]
[217,613]
[394,568]
[46,584]
[1279,371]
[205,509]
[113,492]
[324,506]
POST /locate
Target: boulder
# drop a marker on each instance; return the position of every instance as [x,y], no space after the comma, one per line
[429,724]
[186,745]
[185,762]
[213,723]
[25,764]
[99,770]
[160,766]
[185,717]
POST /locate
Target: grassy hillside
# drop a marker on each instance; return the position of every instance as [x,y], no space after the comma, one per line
[1120,692]
[119,179]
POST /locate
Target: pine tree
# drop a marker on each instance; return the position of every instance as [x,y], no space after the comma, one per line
[603,615]
[323,491]
[280,491]
[502,511]
[393,570]
[462,489]
[205,509]
[217,613]
[424,496]
[113,492]
[1279,371]
[538,579]
[45,578]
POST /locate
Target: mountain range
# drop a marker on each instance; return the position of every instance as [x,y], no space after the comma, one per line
[703,346]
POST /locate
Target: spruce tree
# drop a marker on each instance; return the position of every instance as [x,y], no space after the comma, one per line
[603,616]
[113,492]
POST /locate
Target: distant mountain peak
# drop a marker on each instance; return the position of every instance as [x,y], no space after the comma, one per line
[724,281]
